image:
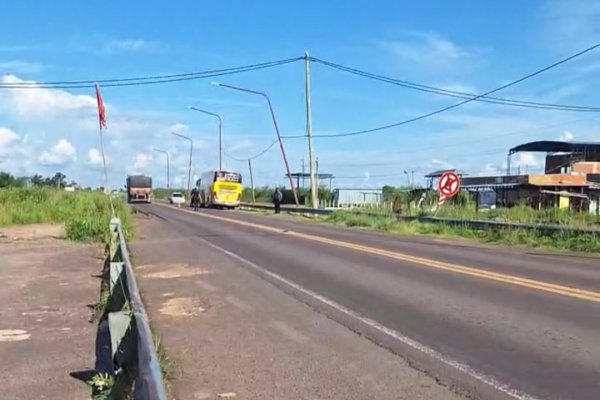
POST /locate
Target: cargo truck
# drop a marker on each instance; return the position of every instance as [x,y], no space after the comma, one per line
[139,189]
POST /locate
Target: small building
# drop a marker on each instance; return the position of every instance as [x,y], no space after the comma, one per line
[302,177]
[357,197]
[432,177]
[571,179]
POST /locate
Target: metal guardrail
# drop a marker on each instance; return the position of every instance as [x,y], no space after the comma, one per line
[134,359]
[545,229]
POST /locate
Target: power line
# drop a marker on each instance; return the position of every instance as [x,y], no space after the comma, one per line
[445,145]
[439,111]
[269,147]
[457,94]
[146,80]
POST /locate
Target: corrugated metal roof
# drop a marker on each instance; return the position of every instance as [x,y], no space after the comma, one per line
[492,186]
[552,146]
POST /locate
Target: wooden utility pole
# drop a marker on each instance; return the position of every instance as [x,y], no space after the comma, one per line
[251,180]
[314,189]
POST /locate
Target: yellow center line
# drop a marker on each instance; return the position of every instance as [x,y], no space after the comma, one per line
[459,269]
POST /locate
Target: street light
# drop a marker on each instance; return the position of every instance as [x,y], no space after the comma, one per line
[220,132]
[168,168]
[191,150]
[287,166]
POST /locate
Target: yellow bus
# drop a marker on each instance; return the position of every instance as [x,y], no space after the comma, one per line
[221,189]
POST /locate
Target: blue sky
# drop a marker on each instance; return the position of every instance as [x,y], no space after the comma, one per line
[472,46]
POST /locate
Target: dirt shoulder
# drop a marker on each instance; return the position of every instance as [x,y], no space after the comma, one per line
[45,335]
[233,335]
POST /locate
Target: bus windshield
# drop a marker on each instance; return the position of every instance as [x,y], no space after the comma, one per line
[223,176]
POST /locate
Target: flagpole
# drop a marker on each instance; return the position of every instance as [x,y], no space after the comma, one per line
[101,122]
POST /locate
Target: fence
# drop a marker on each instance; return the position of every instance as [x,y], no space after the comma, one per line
[472,224]
[134,361]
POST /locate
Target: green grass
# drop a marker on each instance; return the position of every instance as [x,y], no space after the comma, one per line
[519,214]
[563,240]
[85,215]
[168,367]
[523,214]
[164,194]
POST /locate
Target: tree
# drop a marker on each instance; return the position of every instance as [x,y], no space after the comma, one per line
[7,180]
[37,180]
[58,179]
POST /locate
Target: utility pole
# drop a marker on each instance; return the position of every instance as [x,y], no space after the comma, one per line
[317,177]
[302,163]
[251,180]
[314,185]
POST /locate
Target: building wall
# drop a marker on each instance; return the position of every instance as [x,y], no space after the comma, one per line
[351,197]
[557,163]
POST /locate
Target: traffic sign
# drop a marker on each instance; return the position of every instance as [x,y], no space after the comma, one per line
[449,184]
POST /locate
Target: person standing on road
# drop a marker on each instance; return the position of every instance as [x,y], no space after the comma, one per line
[277,198]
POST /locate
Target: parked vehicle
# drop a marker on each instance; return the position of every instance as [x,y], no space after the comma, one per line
[139,188]
[220,189]
[177,198]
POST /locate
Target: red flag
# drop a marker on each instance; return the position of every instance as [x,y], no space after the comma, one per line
[101,110]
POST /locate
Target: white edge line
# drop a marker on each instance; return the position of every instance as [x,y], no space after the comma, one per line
[466,369]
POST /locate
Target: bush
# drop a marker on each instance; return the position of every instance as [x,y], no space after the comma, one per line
[562,240]
[86,215]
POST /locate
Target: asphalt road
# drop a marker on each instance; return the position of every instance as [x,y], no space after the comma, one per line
[496,322]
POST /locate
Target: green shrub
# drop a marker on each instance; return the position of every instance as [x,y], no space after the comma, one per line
[86,215]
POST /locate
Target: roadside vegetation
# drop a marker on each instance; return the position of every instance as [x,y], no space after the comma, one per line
[398,201]
[164,194]
[563,240]
[85,214]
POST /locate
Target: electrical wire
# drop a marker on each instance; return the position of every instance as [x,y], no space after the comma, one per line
[445,145]
[457,94]
[439,111]
[147,80]
[262,152]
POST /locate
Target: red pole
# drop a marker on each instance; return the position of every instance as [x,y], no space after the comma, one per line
[287,166]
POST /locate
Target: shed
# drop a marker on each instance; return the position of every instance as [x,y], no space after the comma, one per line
[357,197]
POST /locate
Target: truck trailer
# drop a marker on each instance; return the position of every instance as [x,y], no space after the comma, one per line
[139,189]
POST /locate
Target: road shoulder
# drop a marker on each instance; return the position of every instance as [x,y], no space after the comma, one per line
[46,341]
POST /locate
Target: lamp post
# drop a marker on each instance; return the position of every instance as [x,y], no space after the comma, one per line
[168,168]
[266,97]
[220,132]
[189,139]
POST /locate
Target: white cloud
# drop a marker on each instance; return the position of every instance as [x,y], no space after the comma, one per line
[40,102]
[141,161]
[19,66]
[528,160]
[439,164]
[179,128]
[429,49]
[95,158]
[567,136]
[7,137]
[61,153]
[130,45]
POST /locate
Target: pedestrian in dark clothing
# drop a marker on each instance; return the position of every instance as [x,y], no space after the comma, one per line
[277,198]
